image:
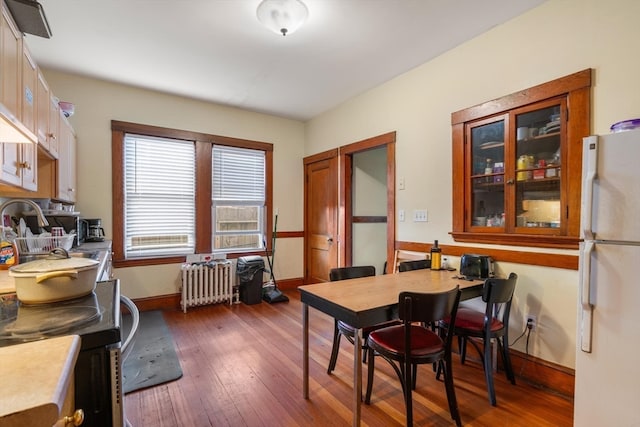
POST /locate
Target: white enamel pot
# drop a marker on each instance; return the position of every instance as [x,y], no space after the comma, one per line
[58,277]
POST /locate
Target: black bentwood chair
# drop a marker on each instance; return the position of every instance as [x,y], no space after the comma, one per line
[410,344]
[492,323]
[341,328]
[419,264]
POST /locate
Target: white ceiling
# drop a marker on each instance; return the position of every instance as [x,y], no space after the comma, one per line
[216,50]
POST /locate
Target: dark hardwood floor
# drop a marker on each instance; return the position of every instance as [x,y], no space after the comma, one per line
[243,367]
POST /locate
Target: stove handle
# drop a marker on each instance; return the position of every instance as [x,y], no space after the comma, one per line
[135,319]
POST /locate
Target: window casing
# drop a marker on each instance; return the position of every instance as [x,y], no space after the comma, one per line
[201,209]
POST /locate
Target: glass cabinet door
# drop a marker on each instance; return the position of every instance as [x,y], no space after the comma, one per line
[517,166]
[488,173]
[538,168]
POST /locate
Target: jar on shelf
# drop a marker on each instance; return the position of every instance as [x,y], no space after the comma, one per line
[521,165]
[498,169]
[540,173]
[488,170]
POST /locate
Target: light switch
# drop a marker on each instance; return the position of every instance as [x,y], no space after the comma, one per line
[401,183]
[420,215]
[401,215]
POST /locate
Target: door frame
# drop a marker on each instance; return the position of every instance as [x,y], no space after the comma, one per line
[345,181]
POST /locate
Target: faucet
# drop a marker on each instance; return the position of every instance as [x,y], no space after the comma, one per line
[42,221]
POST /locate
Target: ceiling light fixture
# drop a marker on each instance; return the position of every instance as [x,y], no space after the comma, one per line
[282,16]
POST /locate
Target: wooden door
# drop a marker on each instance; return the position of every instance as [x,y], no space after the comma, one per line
[321,216]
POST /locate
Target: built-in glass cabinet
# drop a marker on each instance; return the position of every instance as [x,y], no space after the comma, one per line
[517,170]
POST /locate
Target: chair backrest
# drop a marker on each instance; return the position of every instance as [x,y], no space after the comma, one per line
[414,265]
[428,307]
[402,256]
[344,273]
[498,294]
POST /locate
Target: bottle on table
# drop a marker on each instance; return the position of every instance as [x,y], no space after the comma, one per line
[436,257]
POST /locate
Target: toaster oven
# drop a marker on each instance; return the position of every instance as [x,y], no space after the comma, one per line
[474,266]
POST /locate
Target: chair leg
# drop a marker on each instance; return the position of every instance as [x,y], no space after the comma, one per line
[334,349]
[364,349]
[488,371]
[503,346]
[370,368]
[451,391]
[462,348]
[408,381]
[414,376]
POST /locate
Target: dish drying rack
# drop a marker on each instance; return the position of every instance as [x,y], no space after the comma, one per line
[43,245]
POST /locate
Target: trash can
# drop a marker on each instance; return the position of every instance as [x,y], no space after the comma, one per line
[249,270]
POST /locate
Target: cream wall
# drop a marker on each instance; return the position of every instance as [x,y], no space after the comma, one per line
[98,102]
[558,38]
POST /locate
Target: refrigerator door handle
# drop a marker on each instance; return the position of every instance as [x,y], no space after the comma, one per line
[590,165]
[586,308]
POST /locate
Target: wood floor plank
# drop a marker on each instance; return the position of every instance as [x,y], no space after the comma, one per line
[242,366]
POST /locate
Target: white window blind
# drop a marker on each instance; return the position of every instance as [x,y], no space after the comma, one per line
[238,192]
[238,174]
[159,196]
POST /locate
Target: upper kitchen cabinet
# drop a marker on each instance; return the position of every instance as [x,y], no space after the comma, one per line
[10,63]
[66,191]
[517,165]
[29,152]
[47,117]
[18,166]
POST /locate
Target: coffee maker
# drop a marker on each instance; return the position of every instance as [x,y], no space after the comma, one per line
[95,232]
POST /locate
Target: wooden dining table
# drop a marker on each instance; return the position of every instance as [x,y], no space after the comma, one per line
[367,301]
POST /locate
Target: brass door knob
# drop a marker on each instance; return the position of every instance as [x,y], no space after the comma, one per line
[76,419]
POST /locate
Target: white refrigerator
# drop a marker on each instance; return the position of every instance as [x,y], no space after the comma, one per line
[607,372]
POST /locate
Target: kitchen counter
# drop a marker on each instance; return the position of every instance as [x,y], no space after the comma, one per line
[35,388]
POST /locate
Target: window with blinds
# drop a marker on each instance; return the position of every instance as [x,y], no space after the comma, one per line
[159,196]
[238,198]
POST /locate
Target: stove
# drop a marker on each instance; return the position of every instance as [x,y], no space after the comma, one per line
[96,319]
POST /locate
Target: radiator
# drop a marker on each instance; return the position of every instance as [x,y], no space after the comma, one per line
[207,284]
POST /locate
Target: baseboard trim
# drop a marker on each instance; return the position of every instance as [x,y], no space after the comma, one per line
[534,371]
[160,302]
[290,284]
[542,373]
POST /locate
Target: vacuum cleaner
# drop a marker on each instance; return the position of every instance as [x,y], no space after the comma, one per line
[270,291]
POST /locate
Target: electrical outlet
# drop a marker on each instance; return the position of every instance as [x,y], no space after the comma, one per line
[531,321]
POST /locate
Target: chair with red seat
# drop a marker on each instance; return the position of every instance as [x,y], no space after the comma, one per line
[493,323]
[410,344]
[341,328]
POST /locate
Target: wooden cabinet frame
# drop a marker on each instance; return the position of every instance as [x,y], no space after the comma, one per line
[575,90]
